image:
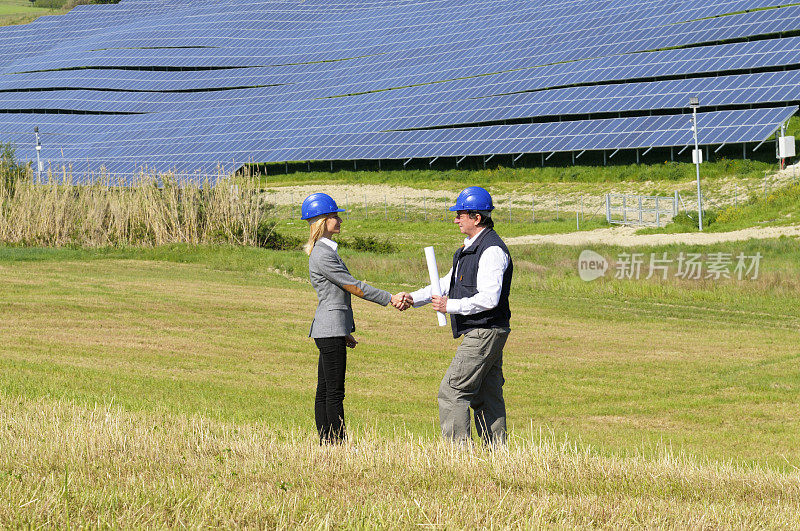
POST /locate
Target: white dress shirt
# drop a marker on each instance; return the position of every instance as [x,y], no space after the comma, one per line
[491,268]
[330,243]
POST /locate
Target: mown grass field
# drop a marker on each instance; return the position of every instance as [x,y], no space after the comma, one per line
[21,11]
[174,386]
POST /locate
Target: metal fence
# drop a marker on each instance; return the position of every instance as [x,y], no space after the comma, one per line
[627,209]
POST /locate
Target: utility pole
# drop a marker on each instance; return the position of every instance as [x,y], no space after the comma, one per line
[697,155]
[39,166]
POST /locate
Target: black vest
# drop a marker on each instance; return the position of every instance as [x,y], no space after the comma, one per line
[464,284]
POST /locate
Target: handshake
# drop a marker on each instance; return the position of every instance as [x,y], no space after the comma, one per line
[402,301]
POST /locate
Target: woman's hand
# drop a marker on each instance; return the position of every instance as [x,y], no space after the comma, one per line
[402,301]
[350,341]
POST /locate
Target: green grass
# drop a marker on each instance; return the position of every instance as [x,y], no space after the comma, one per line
[415,235]
[773,207]
[20,7]
[20,12]
[503,179]
[708,368]
[173,386]
[23,12]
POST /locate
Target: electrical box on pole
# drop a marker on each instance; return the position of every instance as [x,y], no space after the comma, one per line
[697,156]
[785,147]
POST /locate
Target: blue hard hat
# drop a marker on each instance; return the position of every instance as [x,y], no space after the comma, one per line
[317,205]
[473,198]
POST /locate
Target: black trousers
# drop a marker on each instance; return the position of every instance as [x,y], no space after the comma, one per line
[328,405]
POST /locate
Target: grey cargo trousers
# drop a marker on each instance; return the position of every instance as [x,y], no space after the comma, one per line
[475,380]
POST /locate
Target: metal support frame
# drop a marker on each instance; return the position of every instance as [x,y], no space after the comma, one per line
[684,149]
[647,151]
[759,145]
[490,158]
[406,162]
[614,153]
[579,154]
[434,159]
[459,161]
[720,147]
[518,157]
[550,155]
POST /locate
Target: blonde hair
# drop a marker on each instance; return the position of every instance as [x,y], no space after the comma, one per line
[317,229]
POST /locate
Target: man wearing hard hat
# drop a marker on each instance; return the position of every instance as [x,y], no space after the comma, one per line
[475,294]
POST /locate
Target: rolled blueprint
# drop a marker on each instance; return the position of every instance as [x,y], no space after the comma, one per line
[436,289]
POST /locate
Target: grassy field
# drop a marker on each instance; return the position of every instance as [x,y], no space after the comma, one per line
[173,386]
[774,207]
[21,12]
[658,177]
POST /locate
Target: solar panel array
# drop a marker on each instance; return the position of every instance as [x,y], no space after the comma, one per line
[192,86]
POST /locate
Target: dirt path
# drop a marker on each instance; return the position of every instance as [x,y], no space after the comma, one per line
[626,237]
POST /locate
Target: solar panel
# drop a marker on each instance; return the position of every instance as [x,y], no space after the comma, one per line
[188,86]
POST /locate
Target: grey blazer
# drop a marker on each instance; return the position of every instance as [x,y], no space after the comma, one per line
[334,284]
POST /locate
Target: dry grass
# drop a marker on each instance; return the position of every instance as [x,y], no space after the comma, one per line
[62,464]
[151,210]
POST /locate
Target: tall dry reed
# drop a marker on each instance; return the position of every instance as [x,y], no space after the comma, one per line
[150,210]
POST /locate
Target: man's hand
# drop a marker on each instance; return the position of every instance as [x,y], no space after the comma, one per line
[402,301]
[439,303]
[350,341]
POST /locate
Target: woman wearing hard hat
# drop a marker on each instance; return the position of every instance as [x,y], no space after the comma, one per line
[333,321]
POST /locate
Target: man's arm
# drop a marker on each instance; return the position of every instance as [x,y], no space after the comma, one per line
[422,296]
[491,268]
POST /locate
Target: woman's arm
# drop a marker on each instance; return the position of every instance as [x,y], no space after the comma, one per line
[332,268]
